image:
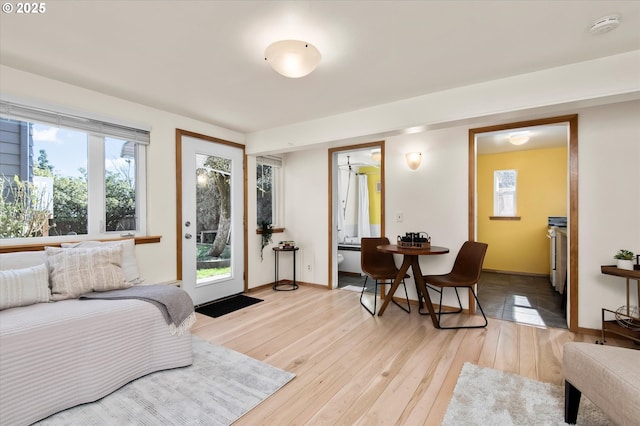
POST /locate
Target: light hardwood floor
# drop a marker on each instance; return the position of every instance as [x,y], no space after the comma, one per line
[352,368]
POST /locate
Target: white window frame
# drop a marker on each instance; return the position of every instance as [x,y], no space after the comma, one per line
[96,204]
[277,188]
[500,193]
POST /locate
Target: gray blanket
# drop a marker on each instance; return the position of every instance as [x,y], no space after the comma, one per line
[174,303]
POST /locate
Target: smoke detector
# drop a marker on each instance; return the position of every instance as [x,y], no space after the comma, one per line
[605,24]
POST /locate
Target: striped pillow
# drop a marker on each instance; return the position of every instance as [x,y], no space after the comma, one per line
[22,287]
[76,271]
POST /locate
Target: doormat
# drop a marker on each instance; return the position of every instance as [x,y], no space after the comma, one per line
[226,306]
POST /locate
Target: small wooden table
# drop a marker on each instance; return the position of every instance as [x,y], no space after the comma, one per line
[411,259]
[277,284]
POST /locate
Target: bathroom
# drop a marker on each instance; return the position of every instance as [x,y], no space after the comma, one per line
[358,187]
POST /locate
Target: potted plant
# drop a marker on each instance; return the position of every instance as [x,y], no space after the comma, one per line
[624,259]
[267,233]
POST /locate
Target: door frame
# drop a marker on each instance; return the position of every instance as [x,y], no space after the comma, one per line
[330,237]
[179,134]
[572,122]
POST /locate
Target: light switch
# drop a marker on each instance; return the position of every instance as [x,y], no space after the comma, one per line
[399,216]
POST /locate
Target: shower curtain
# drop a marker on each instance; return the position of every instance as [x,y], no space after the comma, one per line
[341,201]
[364,228]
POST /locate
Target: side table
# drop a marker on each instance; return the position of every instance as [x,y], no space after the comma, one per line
[289,285]
[631,331]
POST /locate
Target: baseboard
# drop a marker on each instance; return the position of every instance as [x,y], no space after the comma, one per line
[526,274]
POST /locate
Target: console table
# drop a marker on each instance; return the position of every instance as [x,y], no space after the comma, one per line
[288,285]
[612,326]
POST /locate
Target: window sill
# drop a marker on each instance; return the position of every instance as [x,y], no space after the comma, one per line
[504,217]
[274,231]
[40,246]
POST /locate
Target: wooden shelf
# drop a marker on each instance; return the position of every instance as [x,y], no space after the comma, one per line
[614,270]
[612,326]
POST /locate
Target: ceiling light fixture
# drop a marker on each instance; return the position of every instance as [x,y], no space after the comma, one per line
[292,58]
[376,155]
[519,138]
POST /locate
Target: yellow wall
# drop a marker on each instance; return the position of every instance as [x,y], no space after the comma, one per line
[373,177]
[522,246]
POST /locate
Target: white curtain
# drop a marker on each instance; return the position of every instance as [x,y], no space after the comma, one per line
[364,228]
[341,201]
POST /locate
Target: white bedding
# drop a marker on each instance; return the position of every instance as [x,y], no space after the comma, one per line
[57,355]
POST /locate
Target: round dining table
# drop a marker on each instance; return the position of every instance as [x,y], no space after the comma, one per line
[410,259]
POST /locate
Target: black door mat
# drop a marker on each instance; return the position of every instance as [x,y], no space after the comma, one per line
[225,306]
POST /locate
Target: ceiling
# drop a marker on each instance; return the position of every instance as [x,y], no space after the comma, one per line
[205,59]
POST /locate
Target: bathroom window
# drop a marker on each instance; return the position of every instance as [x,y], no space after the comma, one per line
[504,193]
[269,191]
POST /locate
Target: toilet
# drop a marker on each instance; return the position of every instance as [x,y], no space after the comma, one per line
[340,258]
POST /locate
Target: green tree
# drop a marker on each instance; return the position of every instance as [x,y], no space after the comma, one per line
[23,209]
[70,202]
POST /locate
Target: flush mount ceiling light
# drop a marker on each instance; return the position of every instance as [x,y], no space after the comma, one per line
[605,24]
[376,155]
[292,58]
[519,138]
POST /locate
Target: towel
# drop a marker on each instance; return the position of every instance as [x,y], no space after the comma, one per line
[174,303]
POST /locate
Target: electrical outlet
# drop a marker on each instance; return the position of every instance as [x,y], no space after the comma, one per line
[309,267]
[399,216]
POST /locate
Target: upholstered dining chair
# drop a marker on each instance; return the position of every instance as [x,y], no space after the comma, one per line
[465,273]
[380,267]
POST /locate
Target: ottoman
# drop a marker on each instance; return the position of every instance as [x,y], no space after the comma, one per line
[608,376]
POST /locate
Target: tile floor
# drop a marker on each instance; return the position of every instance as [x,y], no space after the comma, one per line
[518,298]
[522,299]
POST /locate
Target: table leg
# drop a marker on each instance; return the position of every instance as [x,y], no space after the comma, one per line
[420,284]
[396,283]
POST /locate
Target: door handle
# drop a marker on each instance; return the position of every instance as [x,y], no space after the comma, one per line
[187,236]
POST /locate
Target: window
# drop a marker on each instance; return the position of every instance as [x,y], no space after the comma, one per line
[269,190]
[504,192]
[66,175]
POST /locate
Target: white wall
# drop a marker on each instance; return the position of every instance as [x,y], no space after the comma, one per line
[434,198]
[609,203]
[161,171]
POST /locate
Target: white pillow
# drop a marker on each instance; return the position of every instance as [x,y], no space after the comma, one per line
[22,259]
[76,271]
[22,287]
[129,261]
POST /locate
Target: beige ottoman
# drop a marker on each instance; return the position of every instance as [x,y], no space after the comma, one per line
[608,376]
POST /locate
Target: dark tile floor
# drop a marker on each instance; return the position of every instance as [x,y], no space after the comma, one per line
[522,299]
[518,298]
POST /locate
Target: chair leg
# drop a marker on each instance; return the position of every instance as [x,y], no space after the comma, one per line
[375,296]
[406,294]
[486,322]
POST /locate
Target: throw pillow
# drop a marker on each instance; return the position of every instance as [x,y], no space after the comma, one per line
[22,287]
[75,271]
[129,261]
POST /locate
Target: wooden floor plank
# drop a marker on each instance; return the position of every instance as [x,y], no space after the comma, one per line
[354,368]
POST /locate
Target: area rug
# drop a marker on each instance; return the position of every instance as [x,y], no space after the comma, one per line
[220,387]
[484,396]
[228,305]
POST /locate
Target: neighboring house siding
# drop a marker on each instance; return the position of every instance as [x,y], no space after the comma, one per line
[16,150]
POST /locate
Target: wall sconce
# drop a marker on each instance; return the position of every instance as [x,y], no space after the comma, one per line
[519,138]
[292,58]
[413,159]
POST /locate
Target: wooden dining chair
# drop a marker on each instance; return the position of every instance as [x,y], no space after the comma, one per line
[380,267]
[465,273]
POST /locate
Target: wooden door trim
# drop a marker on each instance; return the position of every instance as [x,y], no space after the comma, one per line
[572,121]
[331,151]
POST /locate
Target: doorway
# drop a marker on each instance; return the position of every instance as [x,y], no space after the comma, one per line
[356,208]
[569,126]
[210,213]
